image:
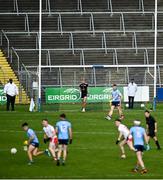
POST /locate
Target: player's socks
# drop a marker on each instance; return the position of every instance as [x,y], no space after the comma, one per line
[158,145]
[108,117]
[83,110]
[58,162]
[47,152]
[63,163]
[30,163]
[135,170]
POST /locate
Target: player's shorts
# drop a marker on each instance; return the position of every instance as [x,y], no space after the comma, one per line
[53,142]
[151,134]
[83,95]
[139,148]
[63,141]
[115,103]
[129,138]
[35,144]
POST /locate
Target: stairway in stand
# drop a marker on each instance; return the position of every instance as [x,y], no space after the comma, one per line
[7,72]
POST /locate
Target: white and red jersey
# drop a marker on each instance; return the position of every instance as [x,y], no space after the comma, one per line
[49,131]
[124,130]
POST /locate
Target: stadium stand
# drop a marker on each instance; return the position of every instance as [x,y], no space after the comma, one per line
[6,72]
[82,32]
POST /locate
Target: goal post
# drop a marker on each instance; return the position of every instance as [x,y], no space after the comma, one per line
[70,76]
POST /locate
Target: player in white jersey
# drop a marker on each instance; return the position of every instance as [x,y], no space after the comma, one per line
[50,135]
[127,137]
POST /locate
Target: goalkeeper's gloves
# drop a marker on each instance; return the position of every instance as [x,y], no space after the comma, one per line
[70,142]
[117,142]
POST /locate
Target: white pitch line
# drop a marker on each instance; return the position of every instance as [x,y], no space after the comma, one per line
[96,177]
[75,132]
[72,148]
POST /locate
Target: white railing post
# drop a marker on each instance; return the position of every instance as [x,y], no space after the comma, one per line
[49,60]
[72,43]
[18,60]
[94,76]
[48,7]
[141,5]
[60,24]
[82,59]
[145,77]
[115,58]
[27,24]
[79,6]
[92,28]
[122,24]
[8,43]
[60,77]
[147,58]
[110,7]
[146,61]
[127,73]
[135,42]
[104,45]
[37,40]
[16,8]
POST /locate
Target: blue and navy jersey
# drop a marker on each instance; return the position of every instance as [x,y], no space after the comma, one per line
[63,129]
[116,95]
[31,133]
[138,135]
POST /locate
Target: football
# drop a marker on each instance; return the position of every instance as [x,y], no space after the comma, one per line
[142,105]
[13,151]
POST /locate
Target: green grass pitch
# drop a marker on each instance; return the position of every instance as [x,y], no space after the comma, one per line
[93,153]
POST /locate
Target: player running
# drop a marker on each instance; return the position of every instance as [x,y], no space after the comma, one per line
[50,135]
[64,131]
[33,143]
[115,103]
[84,91]
[139,137]
[151,125]
[127,137]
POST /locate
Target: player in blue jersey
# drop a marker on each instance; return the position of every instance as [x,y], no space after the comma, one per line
[140,138]
[64,131]
[115,102]
[33,143]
